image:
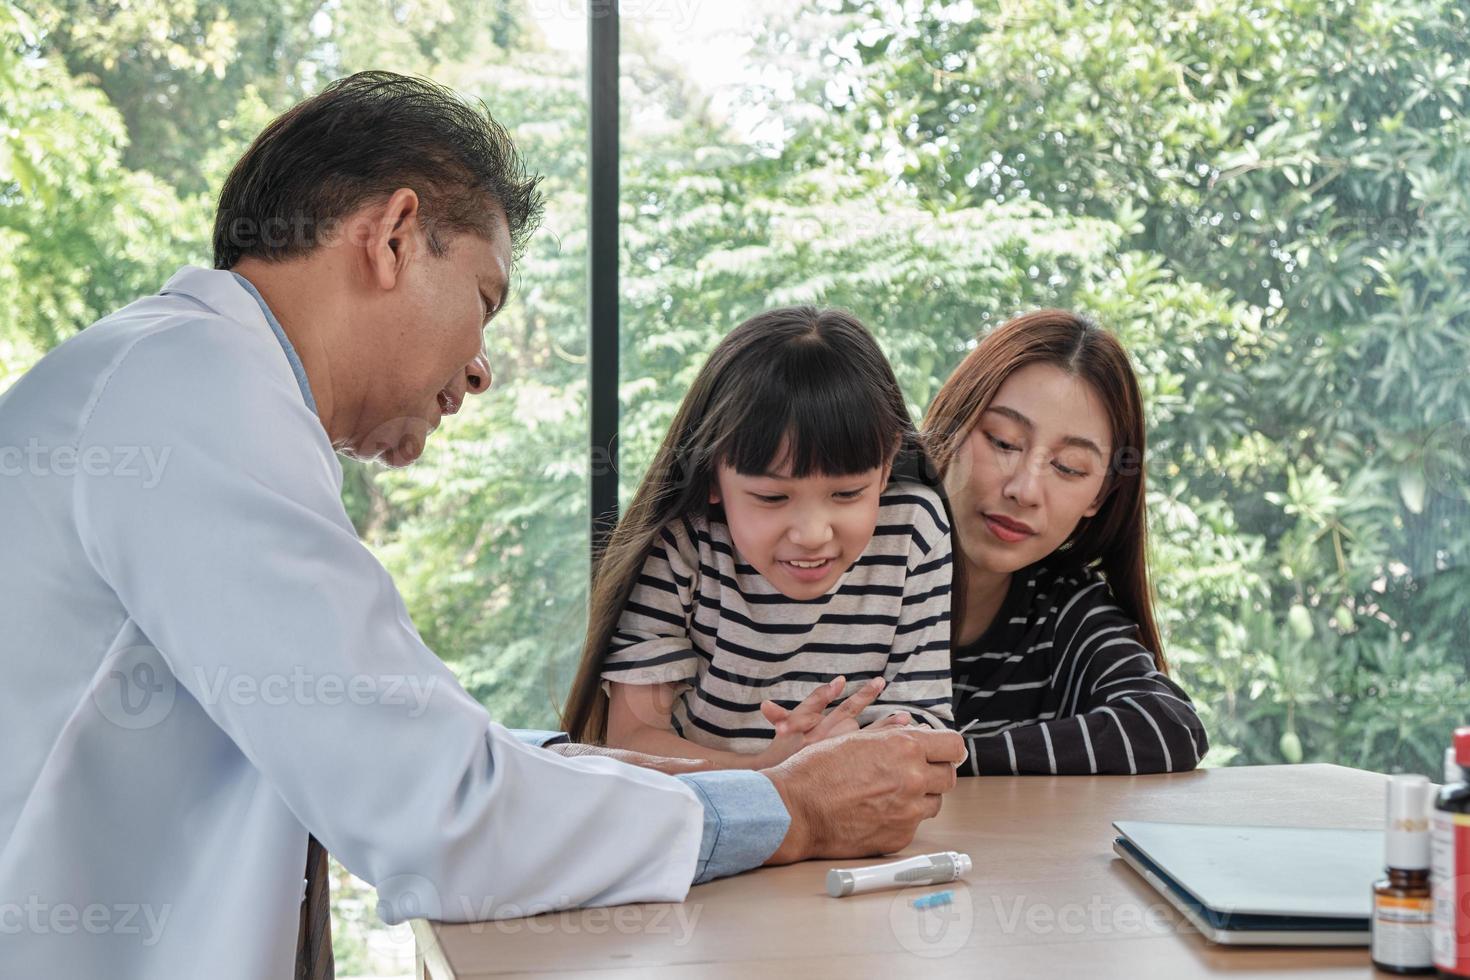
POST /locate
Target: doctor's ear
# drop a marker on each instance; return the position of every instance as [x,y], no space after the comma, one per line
[394,237]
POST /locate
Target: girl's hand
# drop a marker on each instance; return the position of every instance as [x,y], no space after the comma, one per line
[806,724]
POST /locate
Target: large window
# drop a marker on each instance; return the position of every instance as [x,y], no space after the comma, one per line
[1266,201]
[115,135]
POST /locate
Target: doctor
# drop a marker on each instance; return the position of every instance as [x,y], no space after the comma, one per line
[203,665]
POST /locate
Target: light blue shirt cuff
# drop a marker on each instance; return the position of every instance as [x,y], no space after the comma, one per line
[540,739]
[744,821]
[744,818]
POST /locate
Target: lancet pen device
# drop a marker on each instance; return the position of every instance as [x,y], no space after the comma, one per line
[926,869]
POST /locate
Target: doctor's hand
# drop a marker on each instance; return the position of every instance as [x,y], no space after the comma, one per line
[664,764]
[863,794]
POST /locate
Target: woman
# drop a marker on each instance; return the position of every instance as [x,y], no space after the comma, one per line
[1057,664]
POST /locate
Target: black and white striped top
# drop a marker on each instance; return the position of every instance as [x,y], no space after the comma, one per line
[701,617]
[1060,684]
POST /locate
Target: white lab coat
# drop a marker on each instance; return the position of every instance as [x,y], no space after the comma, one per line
[201,663]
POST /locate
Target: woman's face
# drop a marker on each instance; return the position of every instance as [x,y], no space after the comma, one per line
[1032,467]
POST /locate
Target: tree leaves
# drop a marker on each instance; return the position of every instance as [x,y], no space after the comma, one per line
[1269,202]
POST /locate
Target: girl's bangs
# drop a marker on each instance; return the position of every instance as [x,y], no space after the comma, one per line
[819,423]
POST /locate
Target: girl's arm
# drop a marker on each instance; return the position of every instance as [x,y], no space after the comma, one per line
[1117,714]
[639,718]
[651,655]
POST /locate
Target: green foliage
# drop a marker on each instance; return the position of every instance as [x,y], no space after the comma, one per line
[176,69]
[79,232]
[1309,162]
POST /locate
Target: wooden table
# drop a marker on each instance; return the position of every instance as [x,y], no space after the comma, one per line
[1047,897]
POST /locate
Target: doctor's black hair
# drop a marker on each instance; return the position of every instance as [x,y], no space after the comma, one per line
[357,141]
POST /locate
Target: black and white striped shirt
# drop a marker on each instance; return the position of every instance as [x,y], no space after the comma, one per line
[701,617]
[1060,684]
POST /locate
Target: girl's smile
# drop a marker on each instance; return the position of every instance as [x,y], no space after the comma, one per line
[807,571]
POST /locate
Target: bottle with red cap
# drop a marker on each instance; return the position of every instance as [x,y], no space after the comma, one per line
[1450,867]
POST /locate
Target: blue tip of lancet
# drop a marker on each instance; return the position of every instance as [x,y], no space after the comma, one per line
[929,901]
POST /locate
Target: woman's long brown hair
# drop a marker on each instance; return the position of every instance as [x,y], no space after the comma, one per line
[809,385]
[1115,539]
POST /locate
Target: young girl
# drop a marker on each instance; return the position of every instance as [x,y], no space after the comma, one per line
[1057,662]
[779,547]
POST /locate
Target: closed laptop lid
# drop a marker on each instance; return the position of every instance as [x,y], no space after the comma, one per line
[1293,871]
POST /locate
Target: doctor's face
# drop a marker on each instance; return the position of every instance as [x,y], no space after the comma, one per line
[427,343]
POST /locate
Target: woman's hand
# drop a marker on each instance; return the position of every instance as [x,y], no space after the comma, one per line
[809,722]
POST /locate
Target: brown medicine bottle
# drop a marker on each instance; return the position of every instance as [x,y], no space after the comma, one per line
[1403,906]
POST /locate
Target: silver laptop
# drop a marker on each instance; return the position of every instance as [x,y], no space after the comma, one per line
[1262,886]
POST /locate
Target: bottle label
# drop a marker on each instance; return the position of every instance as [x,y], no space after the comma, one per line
[1449,848]
[1401,931]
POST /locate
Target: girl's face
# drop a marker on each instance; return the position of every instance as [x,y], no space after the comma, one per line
[1034,465]
[802,535]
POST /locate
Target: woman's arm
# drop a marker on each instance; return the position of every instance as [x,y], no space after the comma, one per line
[1117,713]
